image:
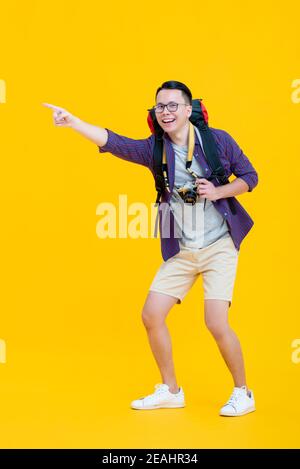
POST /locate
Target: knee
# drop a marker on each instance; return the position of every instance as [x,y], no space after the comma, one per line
[218,330]
[151,318]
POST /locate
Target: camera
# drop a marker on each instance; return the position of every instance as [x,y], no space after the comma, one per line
[188,193]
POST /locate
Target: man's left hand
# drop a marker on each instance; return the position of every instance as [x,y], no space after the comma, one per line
[207,189]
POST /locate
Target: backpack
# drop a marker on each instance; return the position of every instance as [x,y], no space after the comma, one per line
[199,118]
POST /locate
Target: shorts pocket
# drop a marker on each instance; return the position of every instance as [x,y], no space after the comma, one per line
[233,245]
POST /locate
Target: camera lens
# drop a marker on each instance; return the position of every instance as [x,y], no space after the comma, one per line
[190,196]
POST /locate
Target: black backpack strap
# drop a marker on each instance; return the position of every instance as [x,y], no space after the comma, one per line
[210,147]
[158,170]
[211,153]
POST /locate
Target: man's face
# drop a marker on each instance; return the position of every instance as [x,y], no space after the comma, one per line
[177,119]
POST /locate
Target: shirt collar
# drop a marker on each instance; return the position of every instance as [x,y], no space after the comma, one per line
[166,138]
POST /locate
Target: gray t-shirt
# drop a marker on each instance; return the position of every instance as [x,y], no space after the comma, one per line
[198,226]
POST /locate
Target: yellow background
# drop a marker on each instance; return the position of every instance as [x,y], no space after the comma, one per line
[77,352]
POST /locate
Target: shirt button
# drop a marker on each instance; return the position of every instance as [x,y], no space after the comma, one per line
[225,213]
[206,169]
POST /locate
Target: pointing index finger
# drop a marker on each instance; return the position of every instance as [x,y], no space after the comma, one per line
[51,106]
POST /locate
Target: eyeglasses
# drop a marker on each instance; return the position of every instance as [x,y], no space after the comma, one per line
[172,107]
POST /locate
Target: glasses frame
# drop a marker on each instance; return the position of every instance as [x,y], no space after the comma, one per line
[166,105]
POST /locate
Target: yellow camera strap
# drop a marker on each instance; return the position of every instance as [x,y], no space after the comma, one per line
[188,164]
[189,159]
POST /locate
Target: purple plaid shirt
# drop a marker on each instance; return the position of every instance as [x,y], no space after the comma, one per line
[232,158]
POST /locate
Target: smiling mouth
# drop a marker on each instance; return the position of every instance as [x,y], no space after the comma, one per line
[168,121]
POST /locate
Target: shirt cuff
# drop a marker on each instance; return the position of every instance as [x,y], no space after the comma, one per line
[249,180]
[107,147]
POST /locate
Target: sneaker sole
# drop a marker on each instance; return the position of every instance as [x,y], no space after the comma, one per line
[166,406]
[252,409]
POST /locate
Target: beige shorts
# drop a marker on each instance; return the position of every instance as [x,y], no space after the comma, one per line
[217,263]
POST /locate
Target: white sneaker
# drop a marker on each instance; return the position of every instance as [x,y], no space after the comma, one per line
[239,403]
[161,398]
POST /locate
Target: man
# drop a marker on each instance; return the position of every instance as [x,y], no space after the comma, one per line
[211,249]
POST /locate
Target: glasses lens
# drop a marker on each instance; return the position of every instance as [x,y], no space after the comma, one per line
[172,107]
[159,108]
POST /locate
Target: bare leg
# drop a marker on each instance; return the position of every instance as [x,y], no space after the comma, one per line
[216,318]
[155,311]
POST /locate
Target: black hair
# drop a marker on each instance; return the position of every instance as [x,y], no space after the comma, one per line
[177,85]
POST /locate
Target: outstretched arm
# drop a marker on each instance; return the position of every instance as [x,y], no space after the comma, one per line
[63,118]
[129,149]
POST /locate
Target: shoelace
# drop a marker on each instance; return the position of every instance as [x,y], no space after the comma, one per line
[234,397]
[158,390]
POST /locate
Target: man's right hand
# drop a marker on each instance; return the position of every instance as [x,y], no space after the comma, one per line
[62,117]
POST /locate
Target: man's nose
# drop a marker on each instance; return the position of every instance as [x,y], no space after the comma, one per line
[166,111]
